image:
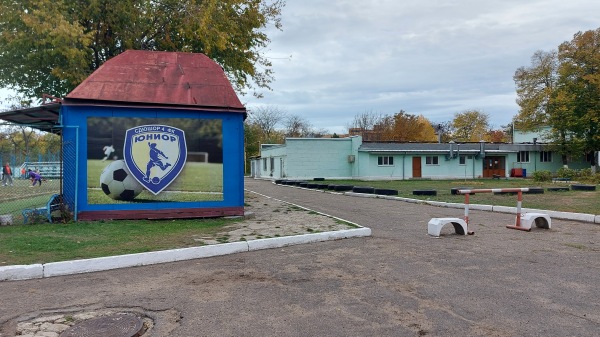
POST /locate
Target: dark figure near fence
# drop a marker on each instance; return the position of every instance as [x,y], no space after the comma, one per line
[7,175]
[35,177]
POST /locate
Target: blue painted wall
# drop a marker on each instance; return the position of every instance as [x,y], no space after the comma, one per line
[74,121]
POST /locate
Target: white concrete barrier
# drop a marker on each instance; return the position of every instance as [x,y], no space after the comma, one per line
[541,220]
[435,225]
[21,272]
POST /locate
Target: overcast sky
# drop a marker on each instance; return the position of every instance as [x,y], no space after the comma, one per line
[338,58]
[335,59]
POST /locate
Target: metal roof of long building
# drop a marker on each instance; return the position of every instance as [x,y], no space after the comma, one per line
[414,147]
[159,78]
[443,147]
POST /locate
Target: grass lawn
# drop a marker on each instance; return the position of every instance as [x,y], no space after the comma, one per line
[566,201]
[42,243]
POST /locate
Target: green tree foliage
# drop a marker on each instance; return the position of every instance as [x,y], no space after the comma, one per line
[470,126]
[576,111]
[567,95]
[51,46]
[21,142]
[535,85]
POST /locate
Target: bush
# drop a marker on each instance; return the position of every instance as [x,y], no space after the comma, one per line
[590,178]
[567,173]
[585,173]
[595,179]
[543,175]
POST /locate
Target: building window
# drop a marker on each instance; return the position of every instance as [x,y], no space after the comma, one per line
[264,164]
[545,156]
[431,160]
[272,164]
[385,161]
[523,157]
[462,160]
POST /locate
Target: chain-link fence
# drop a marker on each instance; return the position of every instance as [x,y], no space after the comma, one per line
[31,190]
[69,181]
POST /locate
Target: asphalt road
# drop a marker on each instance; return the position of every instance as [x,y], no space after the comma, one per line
[399,282]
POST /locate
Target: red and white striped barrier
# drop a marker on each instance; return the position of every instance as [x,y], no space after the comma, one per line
[519,192]
[522,221]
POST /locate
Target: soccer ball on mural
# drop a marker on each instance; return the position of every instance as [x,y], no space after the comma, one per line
[118,183]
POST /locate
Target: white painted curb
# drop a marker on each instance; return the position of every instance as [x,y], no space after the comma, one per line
[503,209]
[572,216]
[362,195]
[489,208]
[307,238]
[436,203]
[140,259]
[453,205]
[21,272]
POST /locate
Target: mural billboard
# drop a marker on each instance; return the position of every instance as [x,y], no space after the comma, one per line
[141,160]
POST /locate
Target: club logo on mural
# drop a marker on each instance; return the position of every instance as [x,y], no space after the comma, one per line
[155,155]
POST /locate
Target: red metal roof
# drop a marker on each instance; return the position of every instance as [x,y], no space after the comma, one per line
[165,78]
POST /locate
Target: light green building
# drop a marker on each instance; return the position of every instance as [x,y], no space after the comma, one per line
[351,158]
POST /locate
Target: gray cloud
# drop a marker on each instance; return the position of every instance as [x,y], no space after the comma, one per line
[335,59]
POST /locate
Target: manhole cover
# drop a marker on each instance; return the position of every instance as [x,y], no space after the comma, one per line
[118,325]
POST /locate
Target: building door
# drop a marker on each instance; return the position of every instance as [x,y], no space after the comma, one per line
[416,167]
[494,166]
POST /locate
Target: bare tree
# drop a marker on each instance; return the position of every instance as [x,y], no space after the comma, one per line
[366,121]
[320,133]
[444,130]
[297,126]
[266,118]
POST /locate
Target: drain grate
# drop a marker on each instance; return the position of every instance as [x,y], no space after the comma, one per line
[117,325]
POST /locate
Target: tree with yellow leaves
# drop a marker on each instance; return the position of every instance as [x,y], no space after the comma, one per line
[50,46]
[404,127]
[470,126]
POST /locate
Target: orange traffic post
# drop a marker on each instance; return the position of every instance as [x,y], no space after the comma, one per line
[517,224]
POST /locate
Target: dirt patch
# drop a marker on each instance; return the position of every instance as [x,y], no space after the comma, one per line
[270,218]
